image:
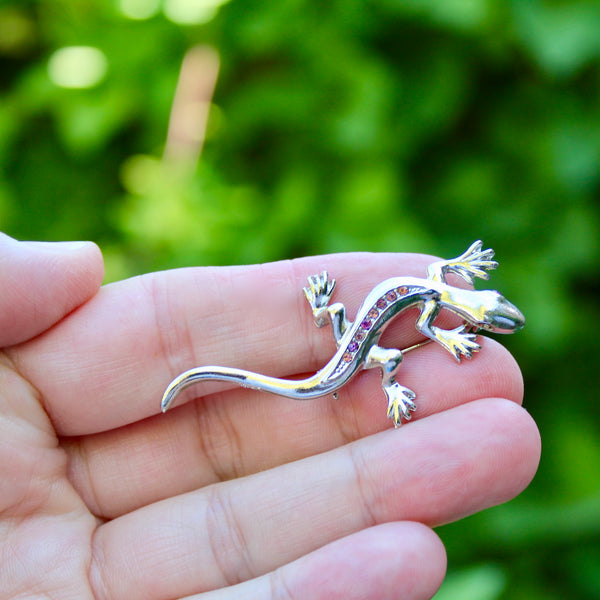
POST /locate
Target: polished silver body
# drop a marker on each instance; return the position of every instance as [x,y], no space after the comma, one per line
[358,341]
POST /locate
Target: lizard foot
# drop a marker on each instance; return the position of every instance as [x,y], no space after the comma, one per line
[318,293]
[458,342]
[400,403]
[475,262]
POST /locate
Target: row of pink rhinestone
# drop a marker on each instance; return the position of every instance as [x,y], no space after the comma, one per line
[370,320]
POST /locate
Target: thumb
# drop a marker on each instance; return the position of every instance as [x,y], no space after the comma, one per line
[41,282]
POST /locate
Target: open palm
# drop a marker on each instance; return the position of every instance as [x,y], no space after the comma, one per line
[235,494]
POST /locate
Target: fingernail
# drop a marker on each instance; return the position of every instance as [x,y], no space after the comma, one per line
[58,246]
[70,246]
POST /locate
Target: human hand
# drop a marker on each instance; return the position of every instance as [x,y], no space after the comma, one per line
[235,494]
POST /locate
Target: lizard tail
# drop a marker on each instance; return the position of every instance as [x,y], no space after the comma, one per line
[300,389]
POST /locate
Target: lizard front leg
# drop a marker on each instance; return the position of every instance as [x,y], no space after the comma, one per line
[400,398]
[474,262]
[318,293]
[457,341]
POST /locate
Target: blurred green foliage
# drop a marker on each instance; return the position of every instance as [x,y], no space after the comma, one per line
[380,125]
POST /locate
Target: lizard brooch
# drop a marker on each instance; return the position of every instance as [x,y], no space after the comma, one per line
[357,341]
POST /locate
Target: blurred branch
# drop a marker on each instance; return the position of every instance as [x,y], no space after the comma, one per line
[191,106]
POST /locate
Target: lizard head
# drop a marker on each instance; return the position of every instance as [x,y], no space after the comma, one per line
[485,309]
[499,315]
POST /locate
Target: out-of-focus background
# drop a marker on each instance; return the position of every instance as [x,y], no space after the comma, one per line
[192,132]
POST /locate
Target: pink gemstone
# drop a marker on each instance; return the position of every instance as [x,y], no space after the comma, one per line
[391,296]
[366,324]
[381,303]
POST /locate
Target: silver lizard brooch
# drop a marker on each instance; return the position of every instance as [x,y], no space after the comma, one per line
[357,341]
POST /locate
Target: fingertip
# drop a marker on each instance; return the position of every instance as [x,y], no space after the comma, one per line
[42,282]
[393,560]
[527,444]
[428,556]
[504,449]
[513,463]
[502,373]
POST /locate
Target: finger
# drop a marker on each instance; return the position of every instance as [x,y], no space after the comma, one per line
[410,564]
[42,282]
[440,469]
[223,436]
[108,364]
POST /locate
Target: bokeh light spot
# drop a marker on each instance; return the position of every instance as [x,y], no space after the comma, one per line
[140,174]
[192,12]
[17,32]
[77,67]
[139,9]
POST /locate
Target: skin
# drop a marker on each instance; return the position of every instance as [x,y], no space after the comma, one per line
[237,494]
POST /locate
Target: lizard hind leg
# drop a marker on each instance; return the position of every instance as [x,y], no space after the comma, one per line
[400,398]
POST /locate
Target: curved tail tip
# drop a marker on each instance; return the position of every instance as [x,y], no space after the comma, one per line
[167,400]
[177,385]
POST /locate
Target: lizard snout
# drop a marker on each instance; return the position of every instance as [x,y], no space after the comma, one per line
[505,317]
